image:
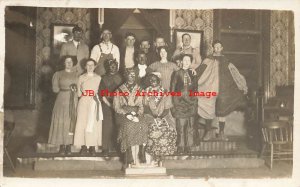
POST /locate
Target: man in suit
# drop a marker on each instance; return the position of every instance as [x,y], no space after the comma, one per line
[76,47]
[141,68]
[145,47]
[158,42]
[128,53]
[186,48]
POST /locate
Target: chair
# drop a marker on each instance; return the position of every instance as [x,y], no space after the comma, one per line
[278,137]
[8,129]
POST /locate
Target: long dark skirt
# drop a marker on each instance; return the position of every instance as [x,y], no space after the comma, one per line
[109,130]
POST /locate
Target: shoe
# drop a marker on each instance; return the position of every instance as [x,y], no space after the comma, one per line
[105,152]
[68,150]
[83,150]
[187,150]
[206,136]
[62,150]
[180,150]
[92,150]
[222,136]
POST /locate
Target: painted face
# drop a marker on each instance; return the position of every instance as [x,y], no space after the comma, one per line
[154,81]
[218,48]
[160,42]
[142,59]
[130,40]
[145,46]
[131,77]
[106,35]
[68,63]
[186,62]
[163,53]
[77,35]
[186,40]
[113,68]
[90,66]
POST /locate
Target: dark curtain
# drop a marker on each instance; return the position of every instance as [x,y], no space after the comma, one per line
[115,18]
[159,20]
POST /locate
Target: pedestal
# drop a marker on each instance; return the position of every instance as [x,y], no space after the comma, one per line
[143,170]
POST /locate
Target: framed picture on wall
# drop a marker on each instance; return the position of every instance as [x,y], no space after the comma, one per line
[195,42]
[61,33]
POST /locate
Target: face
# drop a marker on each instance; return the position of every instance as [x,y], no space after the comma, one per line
[142,59]
[145,46]
[131,78]
[90,66]
[77,35]
[68,63]
[186,40]
[218,48]
[154,81]
[130,40]
[186,62]
[163,53]
[160,42]
[113,67]
[106,35]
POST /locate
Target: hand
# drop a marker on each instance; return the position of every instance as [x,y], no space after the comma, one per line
[73,87]
[194,72]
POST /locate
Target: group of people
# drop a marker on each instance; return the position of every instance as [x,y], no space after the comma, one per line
[144,128]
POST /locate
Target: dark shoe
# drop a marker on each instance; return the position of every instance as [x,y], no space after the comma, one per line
[92,150]
[62,150]
[187,150]
[68,150]
[105,152]
[142,154]
[206,136]
[222,136]
[180,150]
[83,150]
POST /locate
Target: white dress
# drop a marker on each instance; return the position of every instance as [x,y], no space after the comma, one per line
[88,129]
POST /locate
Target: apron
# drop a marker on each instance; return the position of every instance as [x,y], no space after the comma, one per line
[100,69]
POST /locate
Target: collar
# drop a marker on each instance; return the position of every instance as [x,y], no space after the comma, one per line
[108,43]
[142,66]
[75,42]
[182,48]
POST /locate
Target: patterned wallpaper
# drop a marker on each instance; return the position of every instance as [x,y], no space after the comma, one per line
[48,16]
[279,59]
[197,20]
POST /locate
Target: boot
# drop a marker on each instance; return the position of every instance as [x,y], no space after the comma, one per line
[142,154]
[207,135]
[62,150]
[83,151]
[92,150]
[180,150]
[221,135]
[187,149]
[68,150]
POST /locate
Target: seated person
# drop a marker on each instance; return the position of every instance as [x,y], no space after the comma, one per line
[133,129]
[162,132]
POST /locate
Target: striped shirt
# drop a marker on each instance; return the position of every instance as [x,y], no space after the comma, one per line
[166,70]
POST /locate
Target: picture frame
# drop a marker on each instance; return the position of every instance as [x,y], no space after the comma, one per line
[196,42]
[60,33]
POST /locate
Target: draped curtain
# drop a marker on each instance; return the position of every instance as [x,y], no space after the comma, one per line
[159,19]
